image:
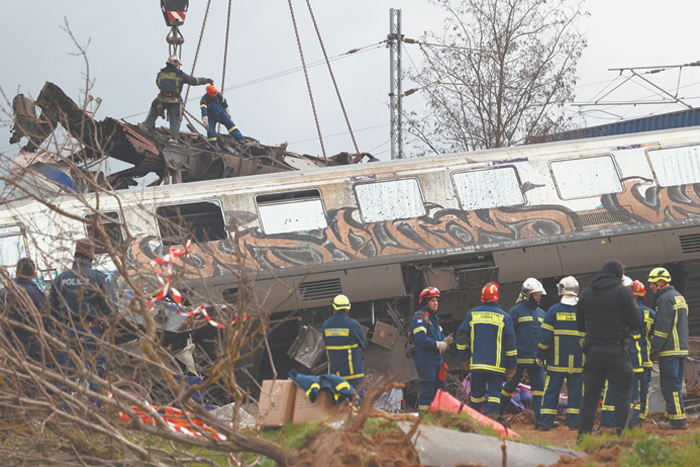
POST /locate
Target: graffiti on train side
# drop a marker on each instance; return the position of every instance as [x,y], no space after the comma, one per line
[347,238]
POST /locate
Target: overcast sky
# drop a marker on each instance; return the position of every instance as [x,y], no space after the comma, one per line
[127,48]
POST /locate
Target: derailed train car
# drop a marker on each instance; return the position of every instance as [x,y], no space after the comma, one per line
[381,232]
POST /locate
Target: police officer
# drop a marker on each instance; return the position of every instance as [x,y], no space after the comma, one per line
[670,345]
[486,347]
[560,350]
[527,317]
[215,110]
[644,343]
[344,339]
[82,299]
[430,344]
[607,313]
[170,81]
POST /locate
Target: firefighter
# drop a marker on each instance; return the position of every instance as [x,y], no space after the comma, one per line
[170,81]
[486,347]
[527,317]
[670,345]
[344,339]
[648,316]
[215,110]
[559,351]
[430,344]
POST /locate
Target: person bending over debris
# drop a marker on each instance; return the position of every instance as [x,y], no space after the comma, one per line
[607,313]
[82,299]
[170,81]
[527,317]
[486,347]
[344,339]
[215,110]
[430,344]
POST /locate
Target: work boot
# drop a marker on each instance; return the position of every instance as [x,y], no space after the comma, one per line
[673,426]
[146,127]
[555,424]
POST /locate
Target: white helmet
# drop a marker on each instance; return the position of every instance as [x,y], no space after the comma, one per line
[530,286]
[173,60]
[627,282]
[568,287]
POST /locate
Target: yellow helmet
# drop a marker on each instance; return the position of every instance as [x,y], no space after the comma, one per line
[341,302]
[659,274]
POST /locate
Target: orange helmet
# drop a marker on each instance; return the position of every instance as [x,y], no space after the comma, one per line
[490,292]
[638,289]
[211,90]
[427,294]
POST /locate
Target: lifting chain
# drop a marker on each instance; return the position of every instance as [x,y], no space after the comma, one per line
[228,26]
[308,83]
[330,70]
[196,55]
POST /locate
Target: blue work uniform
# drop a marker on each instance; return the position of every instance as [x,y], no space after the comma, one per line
[527,317]
[487,340]
[214,108]
[344,339]
[170,81]
[648,316]
[561,349]
[426,333]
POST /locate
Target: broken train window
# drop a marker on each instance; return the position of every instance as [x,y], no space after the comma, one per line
[292,211]
[485,189]
[199,222]
[388,201]
[112,226]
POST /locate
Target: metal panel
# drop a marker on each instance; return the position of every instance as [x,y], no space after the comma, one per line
[519,264]
[674,246]
[271,294]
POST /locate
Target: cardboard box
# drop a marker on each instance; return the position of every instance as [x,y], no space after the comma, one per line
[322,407]
[385,335]
[276,403]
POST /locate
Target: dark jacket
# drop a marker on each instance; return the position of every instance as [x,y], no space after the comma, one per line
[560,340]
[344,339]
[486,338]
[16,309]
[82,295]
[527,318]
[607,310]
[213,106]
[426,332]
[671,324]
[171,80]
[639,350]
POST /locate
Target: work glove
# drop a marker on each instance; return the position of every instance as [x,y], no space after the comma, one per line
[449,339]
[465,365]
[228,112]
[441,346]
[539,362]
[210,81]
[510,373]
[205,121]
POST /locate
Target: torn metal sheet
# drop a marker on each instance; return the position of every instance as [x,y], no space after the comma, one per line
[381,361]
[439,447]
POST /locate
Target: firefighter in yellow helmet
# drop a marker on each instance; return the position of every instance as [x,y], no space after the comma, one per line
[344,339]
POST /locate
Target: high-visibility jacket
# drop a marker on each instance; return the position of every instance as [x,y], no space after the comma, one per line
[171,80]
[486,338]
[344,339]
[671,324]
[213,106]
[560,340]
[527,318]
[311,385]
[426,333]
[648,317]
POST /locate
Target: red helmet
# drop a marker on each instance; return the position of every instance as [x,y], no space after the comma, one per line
[638,289]
[211,90]
[427,294]
[490,292]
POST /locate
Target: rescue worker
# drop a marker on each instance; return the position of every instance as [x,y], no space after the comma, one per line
[527,317]
[670,345]
[560,352]
[82,299]
[637,358]
[607,313]
[170,81]
[430,344]
[15,304]
[215,110]
[344,339]
[648,316]
[486,347]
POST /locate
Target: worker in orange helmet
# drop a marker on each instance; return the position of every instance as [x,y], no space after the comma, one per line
[215,110]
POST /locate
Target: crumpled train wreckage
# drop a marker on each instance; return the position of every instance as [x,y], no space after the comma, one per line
[190,159]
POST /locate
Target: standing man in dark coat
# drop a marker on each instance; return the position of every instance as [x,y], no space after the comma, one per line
[18,309]
[670,345]
[344,339]
[607,312]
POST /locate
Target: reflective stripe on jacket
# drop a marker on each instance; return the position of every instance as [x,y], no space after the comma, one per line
[671,324]
[648,316]
[426,332]
[486,338]
[171,80]
[312,385]
[527,317]
[344,339]
[213,106]
[561,341]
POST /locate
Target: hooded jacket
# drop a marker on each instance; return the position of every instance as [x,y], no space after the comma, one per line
[671,324]
[607,310]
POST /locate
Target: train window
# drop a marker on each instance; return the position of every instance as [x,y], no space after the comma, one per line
[488,189]
[12,245]
[676,166]
[200,222]
[581,178]
[113,229]
[295,211]
[388,201]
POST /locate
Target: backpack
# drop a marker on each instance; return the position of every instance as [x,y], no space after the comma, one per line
[411,346]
